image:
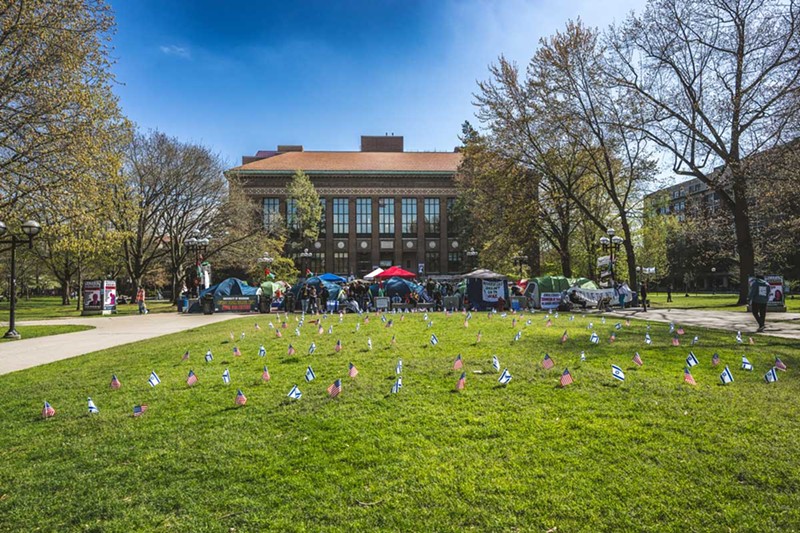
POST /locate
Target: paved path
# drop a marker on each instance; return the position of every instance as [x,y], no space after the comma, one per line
[108,332]
[786,325]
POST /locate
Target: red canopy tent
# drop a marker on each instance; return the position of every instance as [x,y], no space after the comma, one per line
[397,272]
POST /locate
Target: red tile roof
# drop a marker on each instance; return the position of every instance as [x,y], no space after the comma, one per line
[357,162]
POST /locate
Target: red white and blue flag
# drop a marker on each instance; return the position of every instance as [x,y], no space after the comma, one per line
[115,384]
[338,347]
[236,351]
[265,374]
[780,364]
[564,337]
[566,378]
[241,399]
[353,371]
[687,377]
[139,410]
[335,388]
[547,362]
[192,379]
[48,411]
[637,359]
[291,351]
[462,381]
[185,356]
[459,363]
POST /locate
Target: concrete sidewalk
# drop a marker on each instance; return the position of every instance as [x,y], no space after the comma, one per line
[108,332]
[785,325]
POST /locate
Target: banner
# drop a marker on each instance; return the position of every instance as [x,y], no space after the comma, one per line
[92,295]
[776,292]
[110,296]
[550,300]
[493,290]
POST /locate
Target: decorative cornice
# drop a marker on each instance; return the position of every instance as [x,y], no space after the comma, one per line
[356,191]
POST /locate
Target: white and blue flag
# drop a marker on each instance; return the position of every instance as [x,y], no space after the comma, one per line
[262,352]
[398,369]
[695,340]
[595,338]
[518,336]
[153,381]
[310,374]
[495,363]
[617,373]
[618,326]
[647,339]
[571,318]
[425,317]
[671,327]
[295,393]
[297,332]
[430,324]
[769,377]
[398,384]
[691,360]
[726,376]
[209,357]
[369,342]
[739,337]
[358,326]
[583,356]
[746,364]
[226,376]
[603,320]
[312,348]
[93,408]
[434,339]
[505,377]
[590,326]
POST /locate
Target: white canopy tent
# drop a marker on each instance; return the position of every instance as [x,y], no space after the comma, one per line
[371,275]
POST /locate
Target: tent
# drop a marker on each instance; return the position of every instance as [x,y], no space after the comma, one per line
[401,287]
[230,295]
[485,289]
[396,271]
[374,273]
[333,278]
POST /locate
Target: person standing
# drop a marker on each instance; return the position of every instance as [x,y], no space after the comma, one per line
[644,296]
[304,293]
[758,297]
[669,293]
[140,297]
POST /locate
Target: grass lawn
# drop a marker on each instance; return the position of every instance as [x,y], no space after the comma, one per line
[28,332]
[44,307]
[647,454]
[717,302]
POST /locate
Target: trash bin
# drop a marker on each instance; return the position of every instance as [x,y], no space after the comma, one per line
[208,304]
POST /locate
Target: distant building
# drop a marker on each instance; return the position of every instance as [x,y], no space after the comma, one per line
[382,206]
[684,199]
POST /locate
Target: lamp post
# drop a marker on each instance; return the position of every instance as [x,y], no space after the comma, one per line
[199,246]
[472,258]
[305,257]
[714,281]
[611,245]
[31,229]
[519,260]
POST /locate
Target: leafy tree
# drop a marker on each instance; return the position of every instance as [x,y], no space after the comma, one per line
[304,219]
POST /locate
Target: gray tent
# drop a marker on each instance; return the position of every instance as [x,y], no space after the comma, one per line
[485,288]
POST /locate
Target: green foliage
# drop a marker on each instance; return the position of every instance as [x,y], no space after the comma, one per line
[45,307]
[304,222]
[648,454]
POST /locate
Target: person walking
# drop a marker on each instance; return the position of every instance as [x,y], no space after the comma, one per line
[758,298]
[644,296]
[669,293]
[140,297]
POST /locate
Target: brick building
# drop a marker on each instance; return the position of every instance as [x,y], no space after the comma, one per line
[382,206]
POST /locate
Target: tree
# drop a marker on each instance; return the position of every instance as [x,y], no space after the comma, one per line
[303,213]
[717,82]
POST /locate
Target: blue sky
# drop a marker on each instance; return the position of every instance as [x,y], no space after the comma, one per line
[242,76]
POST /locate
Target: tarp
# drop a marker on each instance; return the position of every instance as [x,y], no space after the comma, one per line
[317,282]
[230,287]
[230,295]
[483,273]
[332,278]
[374,273]
[402,288]
[395,271]
[486,292]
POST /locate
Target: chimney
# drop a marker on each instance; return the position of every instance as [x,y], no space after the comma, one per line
[378,143]
[290,147]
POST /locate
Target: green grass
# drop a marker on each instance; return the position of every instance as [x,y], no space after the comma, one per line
[29,332]
[649,454]
[715,302]
[45,307]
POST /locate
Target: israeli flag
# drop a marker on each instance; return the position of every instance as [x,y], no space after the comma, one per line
[583,356]
[430,324]
[425,317]
[295,393]
[297,332]
[571,318]
[603,320]
[505,377]
[746,364]
[330,330]
[469,315]
[518,336]
[397,386]
[93,408]
[647,339]
[312,348]
[209,357]
[695,340]
[358,326]
[556,315]
[691,360]
[726,376]
[383,318]
[528,323]
[153,381]
[434,339]
[590,326]
[495,363]
[262,352]
[618,326]
[595,338]
[226,376]
[399,368]
[617,373]
[369,343]
[671,327]
[739,337]
[769,377]
[310,374]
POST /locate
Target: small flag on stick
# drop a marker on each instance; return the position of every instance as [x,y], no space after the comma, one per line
[637,359]
[265,374]
[92,407]
[153,380]
[617,373]
[48,411]
[505,377]
[459,363]
[462,381]
[687,377]
[139,410]
[353,371]
[495,363]
[209,357]
[335,388]
[115,384]
[691,360]
[310,375]
[241,399]
[566,378]
[547,362]
[185,356]
[295,393]
[780,364]
[715,359]
[726,376]
[192,378]
[771,376]
[226,376]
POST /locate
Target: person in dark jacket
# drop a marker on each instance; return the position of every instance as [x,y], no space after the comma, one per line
[758,298]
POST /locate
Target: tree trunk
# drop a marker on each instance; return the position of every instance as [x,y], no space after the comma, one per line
[534,258]
[79,290]
[744,238]
[629,253]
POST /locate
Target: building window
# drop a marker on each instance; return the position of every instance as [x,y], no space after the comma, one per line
[272,213]
[386,260]
[364,217]
[409,217]
[318,263]
[341,217]
[292,222]
[341,263]
[386,217]
[454,261]
[363,264]
[432,216]
[452,223]
[431,262]
[323,220]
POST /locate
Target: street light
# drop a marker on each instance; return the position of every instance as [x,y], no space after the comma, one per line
[472,256]
[31,229]
[714,281]
[305,257]
[519,260]
[611,244]
[199,246]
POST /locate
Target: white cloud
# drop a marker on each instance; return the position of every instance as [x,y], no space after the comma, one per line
[175,50]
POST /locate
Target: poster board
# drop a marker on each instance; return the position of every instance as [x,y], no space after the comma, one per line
[99,297]
[777,293]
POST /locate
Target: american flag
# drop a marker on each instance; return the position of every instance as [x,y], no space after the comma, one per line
[236,351]
[338,347]
[715,359]
[321,330]
[613,337]
[547,362]
[241,399]
[466,323]
[680,331]
[139,410]
[335,388]
[627,322]
[390,323]
[394,340]
[564,337]
[258,328]
[478,338]
[566,378]
[779,364]
[687,377]
[291,350]
[185,356]
[751,340]
[353,372]
[676,341]
[458,363]
[462,381]
[278,334]
[192,379]
[48,411]
[548,323]
[637,359]
[115,384]
[265,374]
[283,325]
[514,322]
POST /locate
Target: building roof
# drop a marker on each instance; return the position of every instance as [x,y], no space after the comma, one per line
[356,162]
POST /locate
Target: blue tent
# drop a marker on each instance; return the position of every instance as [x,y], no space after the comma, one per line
[230,287]
[402,288]
[225,296]
[317,283]
[332,278]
